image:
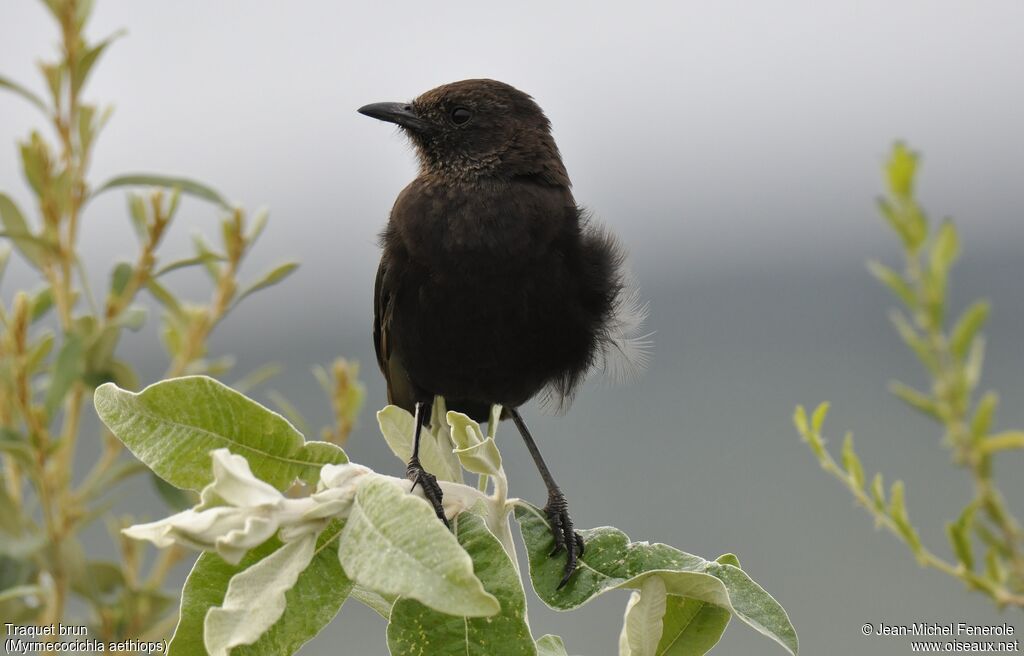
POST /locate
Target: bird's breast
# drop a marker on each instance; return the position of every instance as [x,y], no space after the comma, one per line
[458,225]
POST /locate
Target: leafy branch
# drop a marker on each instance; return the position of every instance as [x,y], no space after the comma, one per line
[952,356]
[58,343]
[279,562]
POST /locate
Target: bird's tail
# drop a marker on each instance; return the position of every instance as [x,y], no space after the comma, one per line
[626,347]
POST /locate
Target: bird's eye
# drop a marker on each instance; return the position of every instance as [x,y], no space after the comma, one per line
[460,115]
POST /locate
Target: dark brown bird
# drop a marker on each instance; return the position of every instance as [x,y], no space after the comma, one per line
[493,287]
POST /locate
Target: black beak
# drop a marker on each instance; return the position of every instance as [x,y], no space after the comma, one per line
[398,113]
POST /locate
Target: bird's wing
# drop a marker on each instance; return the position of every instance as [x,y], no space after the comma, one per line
[381,317]
[401,391]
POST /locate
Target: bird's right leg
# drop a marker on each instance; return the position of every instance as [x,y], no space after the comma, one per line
[414,470]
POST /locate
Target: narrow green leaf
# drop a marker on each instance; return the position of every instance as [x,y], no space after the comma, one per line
[945,249]
[971,321]
[898,513]
[5,257]
[190,187]
[915,399]
[11,85]
[800,420]
[173,425]
[1005,441]
[974,362]
[852,463]
[394,544]
[417,630]
[139,215]
[84,65]
[915,341]
[203,258]
[165,298]
[42,302]
[312,602]
[878,491]
[18,231]
[269,279]
[21,591]
[67,369]
[983,415]
[960,537]
[900,170]
[818,417]
[894,281]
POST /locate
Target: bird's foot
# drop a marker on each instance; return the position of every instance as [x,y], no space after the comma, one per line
[566,538]
[431,490]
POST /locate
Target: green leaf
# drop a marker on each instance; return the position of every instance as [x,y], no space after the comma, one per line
[812,437]
[436,456]
[165,298]
[960,537]
[878,491]
[800,420]
[945,249]
[819,415]
[173,425]
[915,341]
[256,597]
[203,258]
[477,454]
[119,277]
[417,630]
[190,187]
[1004,441]
[88,59]
[312,602]
[900,170]
[551,645]
[642,625]
[394,544]
[894,281]
[11,85]
[18,231]
[852,463]
[971,321]
[269,279]
[915,400]
[974,362]
[611,561]
[898,513]
[983,415]
[42,303]
[691,627]
[68,368]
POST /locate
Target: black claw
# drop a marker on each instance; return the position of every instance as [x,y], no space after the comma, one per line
[431,490]
[565,537]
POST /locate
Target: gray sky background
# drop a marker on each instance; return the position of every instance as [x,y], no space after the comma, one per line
[735,148]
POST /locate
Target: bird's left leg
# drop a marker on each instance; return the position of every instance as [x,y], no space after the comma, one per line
[556,509]
[414,470]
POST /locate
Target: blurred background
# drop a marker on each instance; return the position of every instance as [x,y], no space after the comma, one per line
[735,148]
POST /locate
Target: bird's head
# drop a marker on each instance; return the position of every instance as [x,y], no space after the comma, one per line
[477,129]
